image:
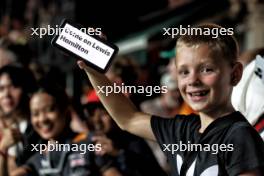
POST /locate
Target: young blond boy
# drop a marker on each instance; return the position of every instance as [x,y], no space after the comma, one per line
[218,141]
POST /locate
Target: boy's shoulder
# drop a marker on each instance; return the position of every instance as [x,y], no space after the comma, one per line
[181,117]
[236,130]
[238,122]
[242,130]
[248,147]
[178,120]
[176,127]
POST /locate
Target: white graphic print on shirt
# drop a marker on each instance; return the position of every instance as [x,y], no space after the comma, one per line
[210,171]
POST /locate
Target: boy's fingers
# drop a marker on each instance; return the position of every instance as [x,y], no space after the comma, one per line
[103,36]
[81,64]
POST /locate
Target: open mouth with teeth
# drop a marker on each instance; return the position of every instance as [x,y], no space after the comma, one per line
[198,95]
[47,127]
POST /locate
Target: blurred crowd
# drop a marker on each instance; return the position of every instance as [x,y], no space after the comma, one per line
[43,96]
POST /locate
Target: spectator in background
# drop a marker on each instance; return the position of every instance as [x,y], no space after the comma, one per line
[14,53]
[6,56]
[248,95]
[167,104]
[16,134]
[50,117]
[130,153]
[248,56]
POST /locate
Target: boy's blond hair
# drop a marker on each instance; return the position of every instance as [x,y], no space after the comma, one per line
[225,46]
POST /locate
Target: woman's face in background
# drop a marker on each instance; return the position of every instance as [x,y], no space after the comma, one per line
[48,121]
[10,95]
[101,120]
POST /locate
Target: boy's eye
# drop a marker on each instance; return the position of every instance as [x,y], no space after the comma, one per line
[207,70]
[183,72]
[34,113]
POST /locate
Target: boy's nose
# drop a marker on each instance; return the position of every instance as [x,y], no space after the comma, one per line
[194,80]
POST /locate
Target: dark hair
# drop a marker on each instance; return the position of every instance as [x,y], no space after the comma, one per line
[58,93]
[125,68]
[24,79]
[21,52]
[20,77]
[223,45]
[90,108]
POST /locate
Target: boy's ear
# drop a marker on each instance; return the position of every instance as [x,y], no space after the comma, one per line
[237,72]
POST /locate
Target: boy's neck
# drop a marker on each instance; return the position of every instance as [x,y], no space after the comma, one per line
[208,117]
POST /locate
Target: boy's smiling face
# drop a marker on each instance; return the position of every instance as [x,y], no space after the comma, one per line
[204,81]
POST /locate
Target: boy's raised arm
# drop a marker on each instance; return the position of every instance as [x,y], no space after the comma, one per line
[120,108]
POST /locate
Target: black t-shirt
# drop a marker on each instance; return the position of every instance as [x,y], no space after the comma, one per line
[228,146]
[69,163]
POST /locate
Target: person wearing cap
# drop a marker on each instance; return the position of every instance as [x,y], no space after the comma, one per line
[247,96]
[131,154]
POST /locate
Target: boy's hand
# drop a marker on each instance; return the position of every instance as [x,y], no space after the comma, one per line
[87,69]
[82,64]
